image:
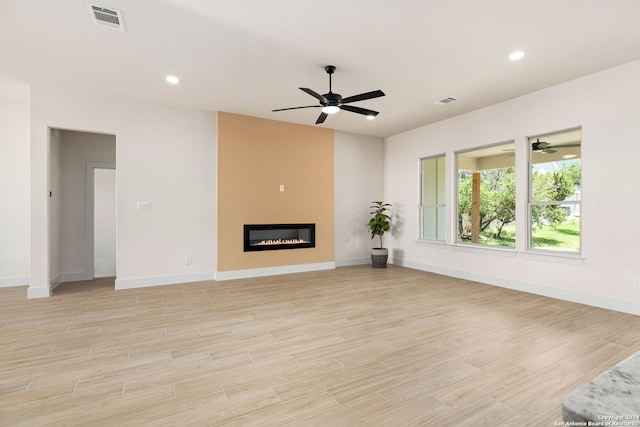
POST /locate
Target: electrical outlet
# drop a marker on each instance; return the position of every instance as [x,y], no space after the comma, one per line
[635,283]
[187,260]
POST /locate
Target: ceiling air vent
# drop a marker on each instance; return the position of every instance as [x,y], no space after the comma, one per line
[106,17]
[446,100]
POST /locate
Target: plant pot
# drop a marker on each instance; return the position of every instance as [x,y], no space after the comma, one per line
[379,257]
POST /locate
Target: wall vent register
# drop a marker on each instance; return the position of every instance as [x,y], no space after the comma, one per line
[107,17]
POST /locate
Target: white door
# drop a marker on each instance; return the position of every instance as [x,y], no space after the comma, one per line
[104,223]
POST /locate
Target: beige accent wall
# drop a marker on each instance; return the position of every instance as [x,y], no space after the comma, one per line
[255,157]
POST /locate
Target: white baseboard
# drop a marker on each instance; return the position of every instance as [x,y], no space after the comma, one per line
[38,292]
[273,271]
[532,288]
[6,282]
[354,261]
[143,282]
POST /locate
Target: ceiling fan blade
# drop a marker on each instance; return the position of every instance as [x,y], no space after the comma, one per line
[359,110]
[321,118]
[296,108]
[548,151]
[566,146]
[363,96]
[314,94]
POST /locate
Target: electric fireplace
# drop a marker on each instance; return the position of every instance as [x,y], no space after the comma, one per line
[270,237]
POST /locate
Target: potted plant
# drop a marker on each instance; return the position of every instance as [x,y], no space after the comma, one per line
[379,223]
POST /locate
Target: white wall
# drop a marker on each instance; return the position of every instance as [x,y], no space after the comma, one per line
[358,179]
[165,156]
[14,185]
[606,105]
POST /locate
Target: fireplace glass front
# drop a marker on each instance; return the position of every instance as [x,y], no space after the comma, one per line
[269,237]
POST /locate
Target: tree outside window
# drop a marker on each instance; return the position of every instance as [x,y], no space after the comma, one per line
[487,196]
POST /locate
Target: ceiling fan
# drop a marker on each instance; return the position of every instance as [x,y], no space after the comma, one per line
[542,147]
[333,102]
[545,147]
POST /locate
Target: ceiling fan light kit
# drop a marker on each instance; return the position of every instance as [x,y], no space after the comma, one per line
[330,109]
[331,102]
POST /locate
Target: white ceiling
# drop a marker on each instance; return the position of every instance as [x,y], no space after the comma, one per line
[251,56]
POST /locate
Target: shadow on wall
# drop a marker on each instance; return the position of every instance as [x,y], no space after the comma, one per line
[397,222]
[397,255]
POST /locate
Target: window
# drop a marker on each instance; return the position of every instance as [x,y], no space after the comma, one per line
[487,196]
[432,204]
[555,183]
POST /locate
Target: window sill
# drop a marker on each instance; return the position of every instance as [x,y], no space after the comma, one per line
[490,250]
[560,258]
[432,243]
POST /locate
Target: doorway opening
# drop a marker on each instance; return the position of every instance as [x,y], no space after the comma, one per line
[82,206]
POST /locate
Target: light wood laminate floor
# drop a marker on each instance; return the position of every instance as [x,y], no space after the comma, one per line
[354,346]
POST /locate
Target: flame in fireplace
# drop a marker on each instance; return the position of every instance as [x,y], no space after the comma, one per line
[280,242]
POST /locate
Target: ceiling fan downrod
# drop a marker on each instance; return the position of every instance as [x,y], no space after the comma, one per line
[330,69]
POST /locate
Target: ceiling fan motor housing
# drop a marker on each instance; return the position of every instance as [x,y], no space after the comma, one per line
[332,98]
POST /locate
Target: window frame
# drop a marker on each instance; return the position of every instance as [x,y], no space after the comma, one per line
[456,190]
[437,205]
[530,202]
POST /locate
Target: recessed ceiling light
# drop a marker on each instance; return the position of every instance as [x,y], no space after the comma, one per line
[371,117]
[516,55]
[173,80]
[569,156]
